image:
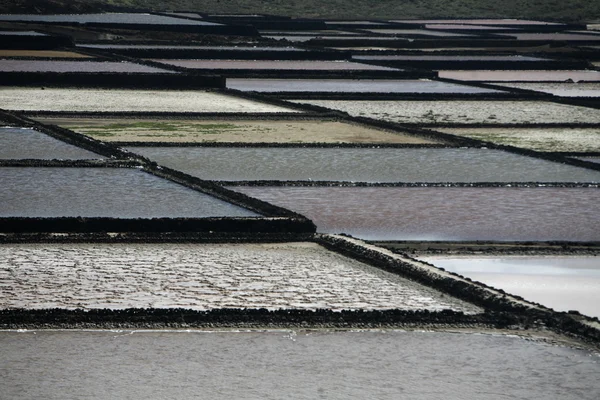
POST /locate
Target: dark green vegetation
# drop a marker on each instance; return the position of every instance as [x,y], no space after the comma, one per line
[559,10]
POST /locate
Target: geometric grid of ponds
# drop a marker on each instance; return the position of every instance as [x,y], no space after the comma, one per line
[22,143]
[363,164]
[103,192]
[446,213]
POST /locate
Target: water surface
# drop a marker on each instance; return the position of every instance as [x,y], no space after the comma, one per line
[352,86]
[76,66]
[287,364]
[22,143]
[363,165]
[507,214]
[562,283]
[102,192]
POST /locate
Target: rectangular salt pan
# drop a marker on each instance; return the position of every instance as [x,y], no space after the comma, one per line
[294,364]
[516,76]
[52,99]
[231,131]
[504,214]
[579,89]
[203,277]
[299,65]
[539,139]
[462,111]
[363,165]
[23,143]
[103,192]
[104,18]
[351,86]
[76,66]
[561,283]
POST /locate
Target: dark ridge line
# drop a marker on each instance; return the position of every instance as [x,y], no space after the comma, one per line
[300,183]
[252,318]
[66,135]
[155,237]
[490,248]
[491,299]
[215,190]
[576,153]
[310,74]
[319,145]
[232,225]
[112,80]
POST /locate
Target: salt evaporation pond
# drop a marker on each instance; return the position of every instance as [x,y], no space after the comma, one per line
[77,66]
[102,192]
[186,47]
[23,143]
[495,22]
[231,131]
[363,164]
[301,65]
[561,283]
[396,213]
[41,53]
[524,75]
[114,100]
[352,86]
[462,111]
[417,32]
[539,139]
[554,36]
[292,364]
[105,18]
[590,159]
[420,57]
[579,89]
[204,277]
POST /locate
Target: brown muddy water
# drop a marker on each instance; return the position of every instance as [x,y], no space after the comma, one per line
[102,192]
[22,143]
[503,214]
[204,277]
[561,283]
[291,364]
[352,86]
[525,75]
[276,65]
[76,66]
[363,164]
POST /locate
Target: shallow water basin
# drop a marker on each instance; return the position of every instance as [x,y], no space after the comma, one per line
[362,164]
[351,86]
[231,131]
[102,192]
[53,99]
[23,143]
[462,214]
[561,283]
